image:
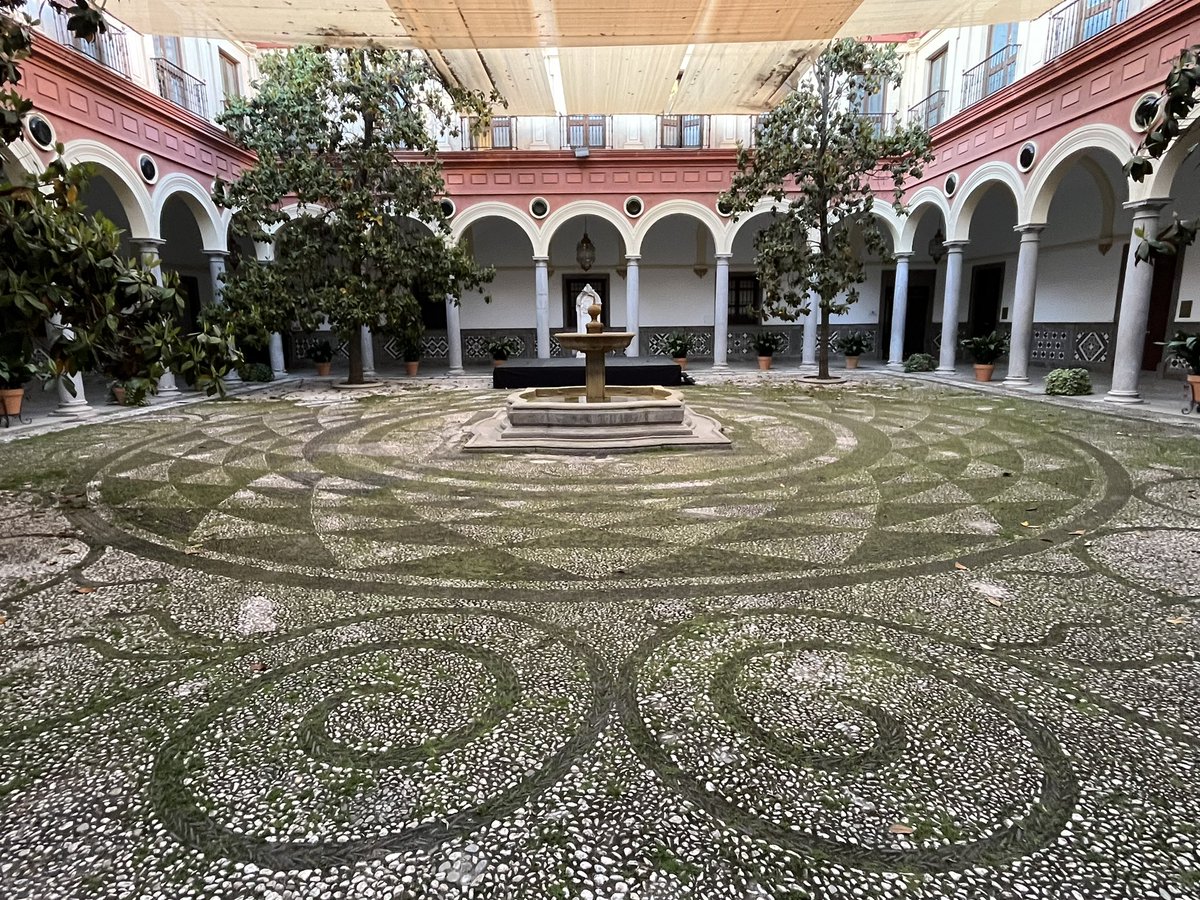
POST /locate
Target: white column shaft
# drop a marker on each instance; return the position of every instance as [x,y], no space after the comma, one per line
[632,311]
[541,298]
[808,355]
[899,313]
[1021,344]
[367,341]
[721,314]
[1135,310]
[949,353]
[454,336]
[275,348]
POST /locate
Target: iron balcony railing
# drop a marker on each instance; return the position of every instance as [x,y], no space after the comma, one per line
[930,111]
[882,123]
[110,49]
[682,132]
[584,131]
[1074,23]
[180,87]
[499,134]
[996,72]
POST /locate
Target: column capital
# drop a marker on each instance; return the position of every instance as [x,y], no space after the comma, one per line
[1034,229]
[541,260]
[724,257]
[955,246]
[903,254]
[149,244]
[633,257]
[216,254]
[1147,206]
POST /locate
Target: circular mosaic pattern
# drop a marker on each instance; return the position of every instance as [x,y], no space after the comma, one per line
[372,746]
[832,491]
[832,745]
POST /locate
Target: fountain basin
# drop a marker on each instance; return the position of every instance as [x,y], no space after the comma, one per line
[569,406]
[596,342]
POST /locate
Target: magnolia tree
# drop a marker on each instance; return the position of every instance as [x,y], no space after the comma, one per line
[60,263]
[1180,96]
[343,138]
[818,158]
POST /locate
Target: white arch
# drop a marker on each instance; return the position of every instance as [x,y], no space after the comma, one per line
[689,208]
[583,208]
[295,211]
[764,205]
[1162,182]
[886,214]
[126,183]
[198,200]
[1049,171]
[495,209]
[958,227]
[918,206]
[23,157]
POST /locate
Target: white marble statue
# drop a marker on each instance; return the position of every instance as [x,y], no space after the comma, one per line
[586,298]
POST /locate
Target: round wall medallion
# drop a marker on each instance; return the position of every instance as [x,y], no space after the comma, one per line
[633,207]
[41,132]
[1026,156]
[724,208]
[448,207]
[539,208]
[1145,108]
[951,184]
[148,167]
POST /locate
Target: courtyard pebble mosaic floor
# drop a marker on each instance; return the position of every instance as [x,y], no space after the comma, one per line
[901,641]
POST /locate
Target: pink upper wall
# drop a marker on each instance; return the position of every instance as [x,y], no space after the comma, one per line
[85,100]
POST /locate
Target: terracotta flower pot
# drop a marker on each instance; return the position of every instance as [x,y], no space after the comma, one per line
[680,361]
[12,399]
[1194,381]
[497,362]
[323,369]
[118,393]
[983,372]
[411,366]
[764,362]
[851,362]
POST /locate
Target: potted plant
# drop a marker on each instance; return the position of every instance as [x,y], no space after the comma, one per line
[14,373]
[766,344]
[854,344]
[410,349]
[321,353]
[985,349]
[501,348]
[678,343]
[1186,349]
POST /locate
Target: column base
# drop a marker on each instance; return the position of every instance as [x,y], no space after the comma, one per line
[1017,380]
[940,371]
[1123,397]
[233,378]
[894,365]
[720,367]
[457,370]
[73,411]
[279,373]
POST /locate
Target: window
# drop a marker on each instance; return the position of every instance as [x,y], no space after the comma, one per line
[231,77]
[172,79]
[1001,64]
[499,134]
[874,107]
[586,131]
[170,49]
[685,132]
[937,72]
[745,299]
[933,108]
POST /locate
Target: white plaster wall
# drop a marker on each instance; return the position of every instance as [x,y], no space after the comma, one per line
[512,304]
[1077,284]
[672,295]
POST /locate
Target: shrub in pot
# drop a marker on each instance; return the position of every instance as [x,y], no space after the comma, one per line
[854,344]
[678,343]
[1185,348]
[501,348]
[985,349]
[14,374]
[1068,382]
[410,352]
[321,353]
[766,345]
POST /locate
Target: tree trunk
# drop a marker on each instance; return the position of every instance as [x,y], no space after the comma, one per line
[356,359]
[822,343]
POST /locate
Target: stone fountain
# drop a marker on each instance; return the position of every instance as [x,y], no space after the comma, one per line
[596,416]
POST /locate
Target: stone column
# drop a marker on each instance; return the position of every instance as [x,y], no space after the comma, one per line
[69,404]
[632,312]
[809,352]
[367,342]
[541,300]
[1135,307]
[454,337]
[152,262]
[899,312]
[721,314]
[216,269]
[275,348]
[954,258]
[1021,344]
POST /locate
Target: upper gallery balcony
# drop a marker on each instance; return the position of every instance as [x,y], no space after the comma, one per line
[1074,23]
[110,49]
[997,71]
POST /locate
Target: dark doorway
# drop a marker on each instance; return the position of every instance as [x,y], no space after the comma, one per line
[572,285]
[921,283]
[987,288]
[189,287]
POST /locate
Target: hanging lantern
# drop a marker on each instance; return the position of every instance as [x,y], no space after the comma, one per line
[937,247]
[585,250]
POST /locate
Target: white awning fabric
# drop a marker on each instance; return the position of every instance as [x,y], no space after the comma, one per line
[584,56]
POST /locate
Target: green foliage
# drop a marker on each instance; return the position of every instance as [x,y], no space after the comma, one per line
[1186,348]
[818,159]
[502,347]
[920,362]
[320,352]
[14,374]
[768,343]
[855,343]
[1068,382]
[1179,97]
[678,343]
[256,372]
[344,135]
[985,349]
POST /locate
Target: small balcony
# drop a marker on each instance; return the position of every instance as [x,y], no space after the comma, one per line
[180,87]
[1074,23]
[110,49]
[881,123]
[931,111]
[499,134]
[682,132]
[581,133]
[997,71]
